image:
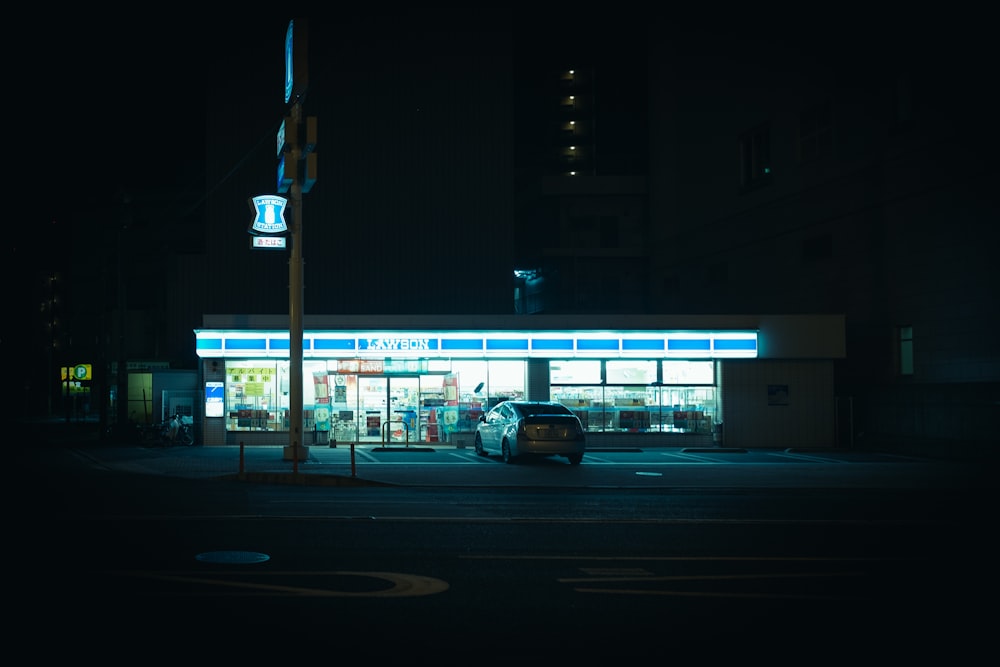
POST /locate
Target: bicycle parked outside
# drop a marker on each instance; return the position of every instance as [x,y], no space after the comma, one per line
[174,431]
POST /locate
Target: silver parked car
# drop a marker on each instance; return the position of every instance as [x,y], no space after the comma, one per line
[530,428]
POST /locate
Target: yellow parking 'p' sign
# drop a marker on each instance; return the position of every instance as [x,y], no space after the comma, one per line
[78,373]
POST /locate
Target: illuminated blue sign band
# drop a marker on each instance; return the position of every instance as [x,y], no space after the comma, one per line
[598,345]
[690,344]
[565,344]
[735,344]
[208,345]
[647,345]
[481,345]
[246,344]
[520,344]
[462,344]
[340,345]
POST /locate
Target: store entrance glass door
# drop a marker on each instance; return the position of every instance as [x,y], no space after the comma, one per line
[404,406]
[388,409]
[372,407]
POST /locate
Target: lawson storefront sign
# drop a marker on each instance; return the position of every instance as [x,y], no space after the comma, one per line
[481,345]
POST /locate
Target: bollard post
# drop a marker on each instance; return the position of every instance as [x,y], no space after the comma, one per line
[295,457]
[241,457]
[354,471]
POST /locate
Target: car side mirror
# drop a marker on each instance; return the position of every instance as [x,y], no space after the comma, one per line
[482,418]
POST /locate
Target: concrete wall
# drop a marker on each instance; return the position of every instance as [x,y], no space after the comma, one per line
[757,414]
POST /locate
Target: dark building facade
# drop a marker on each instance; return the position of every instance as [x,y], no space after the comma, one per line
[581,159]
[463,169]
[847,169]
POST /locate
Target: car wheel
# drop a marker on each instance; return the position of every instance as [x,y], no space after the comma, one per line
[505,449]
[575,459]
[479,446]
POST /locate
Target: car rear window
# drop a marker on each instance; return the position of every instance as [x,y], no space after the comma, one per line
[545,409]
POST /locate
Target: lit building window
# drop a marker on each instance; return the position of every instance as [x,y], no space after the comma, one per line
[906,350]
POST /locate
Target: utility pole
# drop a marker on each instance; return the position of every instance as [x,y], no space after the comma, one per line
[296,448]
[301,169]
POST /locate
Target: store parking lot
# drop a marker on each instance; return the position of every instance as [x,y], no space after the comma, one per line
[431,464]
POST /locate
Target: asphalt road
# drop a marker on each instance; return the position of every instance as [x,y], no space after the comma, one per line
[128,553]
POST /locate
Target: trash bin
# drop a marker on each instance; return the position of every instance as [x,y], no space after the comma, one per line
[717,438]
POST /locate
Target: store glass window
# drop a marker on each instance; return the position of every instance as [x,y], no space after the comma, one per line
[577,385]
[631,372]
[257,396]
[252,391]
[679,371]
[687,409]
[473,386]
[506,380]
[638,396]
[575,372]
[469,379]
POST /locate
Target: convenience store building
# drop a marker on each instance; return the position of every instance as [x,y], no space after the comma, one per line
[634,380]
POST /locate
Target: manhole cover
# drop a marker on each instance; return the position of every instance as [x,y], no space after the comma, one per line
[232,557]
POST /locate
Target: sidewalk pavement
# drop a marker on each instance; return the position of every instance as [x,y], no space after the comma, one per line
[319,466]
[347,465]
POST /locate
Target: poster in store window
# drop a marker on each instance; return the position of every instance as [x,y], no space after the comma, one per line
[449,413]
[373,421]
[339,389]
[321,391]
